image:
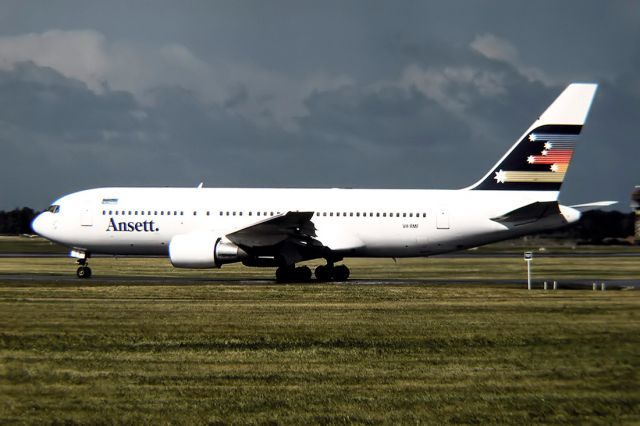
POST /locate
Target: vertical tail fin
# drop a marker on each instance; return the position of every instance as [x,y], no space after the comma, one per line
[541,157]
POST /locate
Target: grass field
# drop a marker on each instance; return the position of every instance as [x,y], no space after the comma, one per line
[211,351]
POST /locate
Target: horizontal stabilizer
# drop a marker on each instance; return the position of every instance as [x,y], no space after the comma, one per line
[529,213]
[594,205]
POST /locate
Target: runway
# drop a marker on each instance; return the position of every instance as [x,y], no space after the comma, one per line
[572,284]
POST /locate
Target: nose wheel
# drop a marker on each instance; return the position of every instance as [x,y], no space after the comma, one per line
[83,272]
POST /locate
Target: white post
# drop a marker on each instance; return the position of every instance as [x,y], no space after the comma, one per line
[595,286]
[528,256]
[603,286]
[555,285]
[545,285]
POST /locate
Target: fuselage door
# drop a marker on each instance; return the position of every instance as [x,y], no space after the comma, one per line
[442,219]
[86,215]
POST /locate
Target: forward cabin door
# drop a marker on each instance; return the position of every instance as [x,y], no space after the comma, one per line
[86,215]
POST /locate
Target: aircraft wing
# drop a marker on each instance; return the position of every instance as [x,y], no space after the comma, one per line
[291,236]
[294,227]
[529,213]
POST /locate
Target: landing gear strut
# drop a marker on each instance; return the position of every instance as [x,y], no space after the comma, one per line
[83,270]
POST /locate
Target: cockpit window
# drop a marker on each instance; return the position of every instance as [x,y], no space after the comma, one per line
[54,208]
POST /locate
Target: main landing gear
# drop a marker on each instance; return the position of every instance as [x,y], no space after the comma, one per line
[328,272]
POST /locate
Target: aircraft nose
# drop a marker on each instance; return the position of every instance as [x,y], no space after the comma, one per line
[38,225]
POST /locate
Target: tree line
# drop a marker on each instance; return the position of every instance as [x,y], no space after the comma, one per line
[595,227]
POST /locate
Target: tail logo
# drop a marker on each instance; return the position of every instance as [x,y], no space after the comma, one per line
[553,151]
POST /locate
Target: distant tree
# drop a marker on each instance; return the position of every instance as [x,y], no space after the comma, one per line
[17,221]
[596,225]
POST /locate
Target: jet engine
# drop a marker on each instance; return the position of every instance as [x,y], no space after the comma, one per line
[203,250]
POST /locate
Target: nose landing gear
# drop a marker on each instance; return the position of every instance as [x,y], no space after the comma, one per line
[83,270]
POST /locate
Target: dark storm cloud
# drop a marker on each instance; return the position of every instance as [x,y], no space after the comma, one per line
[299,94]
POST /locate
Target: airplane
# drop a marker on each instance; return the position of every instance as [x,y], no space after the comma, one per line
[210,227]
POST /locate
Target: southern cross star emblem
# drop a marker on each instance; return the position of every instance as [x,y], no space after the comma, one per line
[531,159]
[532,137]
[548,145]
[500,176]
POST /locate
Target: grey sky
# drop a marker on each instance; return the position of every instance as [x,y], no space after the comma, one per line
[301,93]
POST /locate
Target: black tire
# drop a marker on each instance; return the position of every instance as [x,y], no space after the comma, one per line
[87,272]
[81,272]
[323,273]
[285,274]
[303,273]
[341,273]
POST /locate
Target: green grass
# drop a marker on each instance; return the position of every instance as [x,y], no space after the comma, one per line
[34,244]
[204,350]
[434,268]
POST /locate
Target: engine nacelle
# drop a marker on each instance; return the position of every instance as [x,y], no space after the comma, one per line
[203,250]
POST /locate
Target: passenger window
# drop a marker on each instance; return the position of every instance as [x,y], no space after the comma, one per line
[175,213]
[249,213]
[240,214]
[378,214]
[195,213]
[129,212]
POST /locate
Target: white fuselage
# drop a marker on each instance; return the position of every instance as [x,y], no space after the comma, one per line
[352,222]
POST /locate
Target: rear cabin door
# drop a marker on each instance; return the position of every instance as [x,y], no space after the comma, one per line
[442,218]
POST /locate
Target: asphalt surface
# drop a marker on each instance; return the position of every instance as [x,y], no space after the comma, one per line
[573,284]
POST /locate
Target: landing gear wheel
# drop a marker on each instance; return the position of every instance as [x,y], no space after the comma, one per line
[288,274]
[341,273]
[303,273]
[284,274]
[83,272]
[323,273]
